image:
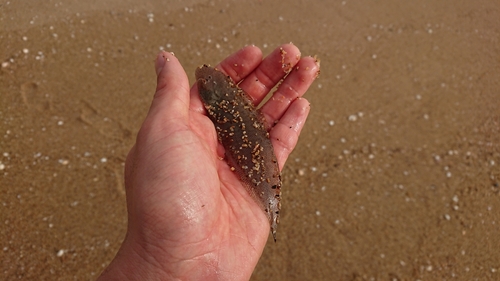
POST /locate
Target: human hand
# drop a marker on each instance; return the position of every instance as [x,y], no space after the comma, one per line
[189,216]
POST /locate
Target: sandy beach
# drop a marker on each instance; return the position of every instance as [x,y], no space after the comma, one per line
[396,175]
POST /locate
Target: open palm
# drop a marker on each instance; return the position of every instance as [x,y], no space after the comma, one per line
[190,217]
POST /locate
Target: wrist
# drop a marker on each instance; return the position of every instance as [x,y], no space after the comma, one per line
[139,262]
[130,263]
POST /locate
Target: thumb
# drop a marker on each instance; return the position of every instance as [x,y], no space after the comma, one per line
[171,100]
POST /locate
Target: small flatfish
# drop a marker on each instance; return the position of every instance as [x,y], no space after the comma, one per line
[241,129]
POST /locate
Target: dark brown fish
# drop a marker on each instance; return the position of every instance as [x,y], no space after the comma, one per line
[242,131]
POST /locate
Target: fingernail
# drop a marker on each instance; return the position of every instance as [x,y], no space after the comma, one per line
[160,62]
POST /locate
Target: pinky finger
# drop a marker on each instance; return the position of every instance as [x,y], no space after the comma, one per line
[285,134]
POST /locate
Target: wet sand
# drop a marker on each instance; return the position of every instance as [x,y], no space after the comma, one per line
[396,175]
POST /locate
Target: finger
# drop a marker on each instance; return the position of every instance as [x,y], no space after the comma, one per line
[294,86]
[171,100]
[237,66]
[241,63]
[285,134]
[270,71]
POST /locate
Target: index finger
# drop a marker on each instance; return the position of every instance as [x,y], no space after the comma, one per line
[238,66]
